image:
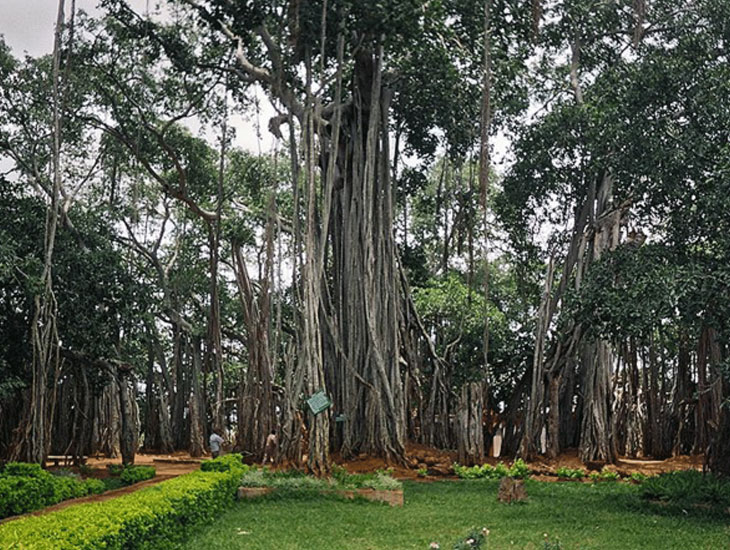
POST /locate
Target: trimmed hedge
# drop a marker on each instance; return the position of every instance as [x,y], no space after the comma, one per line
[154,518]
[134,474]
[222,463]
[27,487]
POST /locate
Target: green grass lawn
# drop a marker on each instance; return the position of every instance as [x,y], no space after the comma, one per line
[581,516]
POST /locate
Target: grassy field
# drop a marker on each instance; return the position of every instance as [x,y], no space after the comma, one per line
[580,516]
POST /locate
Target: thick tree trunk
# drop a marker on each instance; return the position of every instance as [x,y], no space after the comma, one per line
[33,437]
[596,444]
[718,456]
[106,429]
[469,433]
[214,348]
[534,418]
[257,415]
[682,398]
[182,388]
[128,413]
[366,296]
[196,409]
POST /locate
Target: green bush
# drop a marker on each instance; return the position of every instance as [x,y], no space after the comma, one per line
[153,518]
[604,475]
[222,463]
[115,469]
[688,488]
[518,470]
[339,480]
[112,483]
[638,477]
[21,494]
[67,487]
[23,469]
[135,474]
[570,473]
[94,486]
[27,487]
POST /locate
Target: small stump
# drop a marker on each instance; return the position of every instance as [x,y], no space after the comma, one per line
[511,490]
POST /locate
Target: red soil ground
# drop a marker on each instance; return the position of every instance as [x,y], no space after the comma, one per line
[438,464]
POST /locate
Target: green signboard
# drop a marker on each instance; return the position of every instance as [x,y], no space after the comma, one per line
[319,402]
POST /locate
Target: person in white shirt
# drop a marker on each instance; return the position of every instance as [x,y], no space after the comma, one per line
[215,444]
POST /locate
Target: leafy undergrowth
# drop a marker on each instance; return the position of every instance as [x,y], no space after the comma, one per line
[518,470]
[586,516]
[689,489]
[570,473]
[340,479]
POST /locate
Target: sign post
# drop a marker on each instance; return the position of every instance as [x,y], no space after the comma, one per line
[319,402]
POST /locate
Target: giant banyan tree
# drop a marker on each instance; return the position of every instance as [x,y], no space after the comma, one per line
[385,254]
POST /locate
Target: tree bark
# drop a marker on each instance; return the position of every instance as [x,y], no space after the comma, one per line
[128,408]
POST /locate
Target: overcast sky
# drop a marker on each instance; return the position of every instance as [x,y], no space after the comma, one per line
[28,24]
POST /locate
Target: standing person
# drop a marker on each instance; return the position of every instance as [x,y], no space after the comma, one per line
[270,447]
[215,444]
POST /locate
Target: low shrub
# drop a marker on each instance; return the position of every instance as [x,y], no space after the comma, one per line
[604,475]
[222,463]
[112,483]
[23,469]
[67,487]
[638,477]
[570,473]
[688,488]
[381,480]
[134,474]
[115,469]
[518,470]
[21,494]
[94,486]
[339,480]
[153,518]
[27,487]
